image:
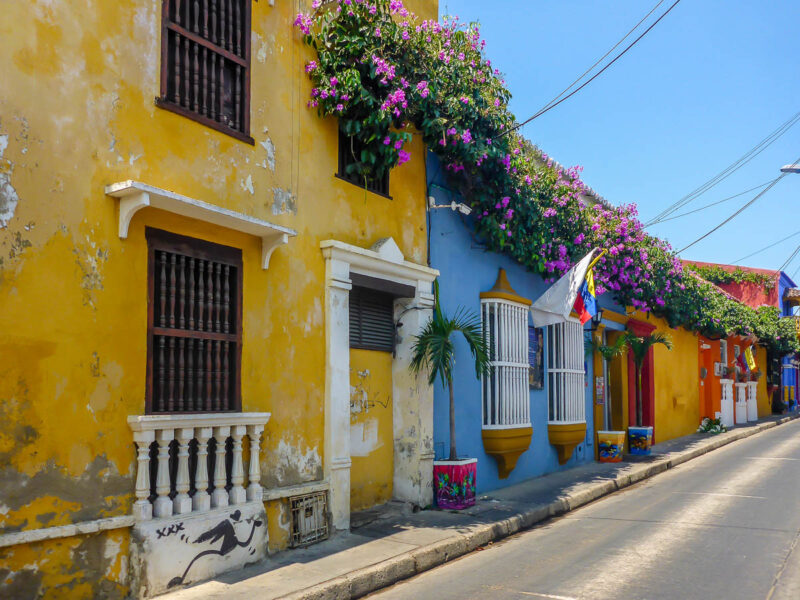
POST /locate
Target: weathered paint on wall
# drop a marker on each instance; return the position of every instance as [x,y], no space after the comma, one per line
[371,443]
[455,252]
[76,114]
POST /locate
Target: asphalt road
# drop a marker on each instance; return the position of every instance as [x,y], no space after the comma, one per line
[725,525]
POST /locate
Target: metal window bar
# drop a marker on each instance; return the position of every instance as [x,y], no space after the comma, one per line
[309,518]
[505,397]
[565,373]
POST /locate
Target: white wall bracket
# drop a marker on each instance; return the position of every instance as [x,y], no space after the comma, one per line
[134,196]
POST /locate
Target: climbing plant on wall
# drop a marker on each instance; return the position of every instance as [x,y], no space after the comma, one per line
[384,73]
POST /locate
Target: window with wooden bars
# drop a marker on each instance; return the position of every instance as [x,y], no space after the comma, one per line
[371,320]
[194,333]
[350,154]
[205,63]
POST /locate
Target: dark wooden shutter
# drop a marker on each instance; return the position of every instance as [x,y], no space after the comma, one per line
[194,325]
[371,320]
[205,63]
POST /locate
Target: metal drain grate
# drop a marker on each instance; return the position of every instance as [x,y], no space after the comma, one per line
[309,518]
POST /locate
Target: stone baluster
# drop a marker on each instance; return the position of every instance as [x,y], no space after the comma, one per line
[142,509]
[162,507]
[219,497]
[254,491]
[237,493]
[182,503]
[201,499]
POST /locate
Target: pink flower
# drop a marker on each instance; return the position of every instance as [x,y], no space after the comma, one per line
[398,144]
[340,107]
[311,66]
[387,140]
[334,81]
[377,32]
[466,137]
[403,157]
[422,88]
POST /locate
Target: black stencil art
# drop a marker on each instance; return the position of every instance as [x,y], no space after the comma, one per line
[222,531]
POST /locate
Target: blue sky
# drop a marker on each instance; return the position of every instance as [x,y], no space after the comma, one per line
[704,86]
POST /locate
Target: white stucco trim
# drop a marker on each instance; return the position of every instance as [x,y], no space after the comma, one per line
[412,412]
[51,533]
[134,196]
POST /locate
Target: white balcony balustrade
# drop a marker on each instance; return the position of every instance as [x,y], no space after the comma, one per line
[174,462]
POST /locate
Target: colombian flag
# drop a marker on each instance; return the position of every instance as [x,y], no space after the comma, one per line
[748,356]
[586,302]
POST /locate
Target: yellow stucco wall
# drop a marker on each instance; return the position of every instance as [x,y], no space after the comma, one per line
[764,402]
[677,381]
[371,435]
[77,113]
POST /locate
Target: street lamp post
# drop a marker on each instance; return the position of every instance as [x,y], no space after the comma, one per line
[795,168]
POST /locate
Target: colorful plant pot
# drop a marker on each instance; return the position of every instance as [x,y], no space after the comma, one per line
[639,440]
[454,483]
[611,444]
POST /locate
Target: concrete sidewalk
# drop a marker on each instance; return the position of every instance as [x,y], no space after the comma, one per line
[393,544]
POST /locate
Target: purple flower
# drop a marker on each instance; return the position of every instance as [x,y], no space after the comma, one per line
[334,81]
[403,157]
[377,32]
[466,137]
[311,66]
[387,140]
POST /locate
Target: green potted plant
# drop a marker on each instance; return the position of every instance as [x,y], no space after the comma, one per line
[434,350]
[640,436]
[611,444]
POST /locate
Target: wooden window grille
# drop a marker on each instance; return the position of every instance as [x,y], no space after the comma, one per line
[371,320]
[194,332]
[565,372]
[205,63]
[350,154]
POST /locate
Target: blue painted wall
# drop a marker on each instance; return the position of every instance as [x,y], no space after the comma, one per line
[467,269]
[788,373]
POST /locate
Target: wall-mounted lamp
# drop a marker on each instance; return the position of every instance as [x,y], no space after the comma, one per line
[597,319]
[459,206]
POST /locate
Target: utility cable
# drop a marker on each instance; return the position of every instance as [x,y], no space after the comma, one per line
[746,205]
[772,245]
[602,58]
[790,259]
[552,105]
[752,189]
[729,170]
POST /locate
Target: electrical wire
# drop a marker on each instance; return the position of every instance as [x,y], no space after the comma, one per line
[772,245]
[602,58]
[790,259]
[691,212]
[552,105]
[729,170]
[746,205]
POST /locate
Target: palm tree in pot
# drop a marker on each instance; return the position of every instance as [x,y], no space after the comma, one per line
[434,350]
[638,348]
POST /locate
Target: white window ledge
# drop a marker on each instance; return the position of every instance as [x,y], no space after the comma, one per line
[296,490]
[178,421]
[134,196]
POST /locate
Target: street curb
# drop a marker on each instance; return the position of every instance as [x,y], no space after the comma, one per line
[366,580]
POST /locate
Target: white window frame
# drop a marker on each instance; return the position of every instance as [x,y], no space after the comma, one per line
[565,373]
[505,395]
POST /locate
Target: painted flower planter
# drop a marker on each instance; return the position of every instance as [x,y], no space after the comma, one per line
[611,445]
[639,440]
[455,483]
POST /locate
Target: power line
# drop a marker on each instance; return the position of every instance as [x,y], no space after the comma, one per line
[602,58]
[729,170]
[772,245]
[552,105]
[790,259]
[714,203]
[761,193]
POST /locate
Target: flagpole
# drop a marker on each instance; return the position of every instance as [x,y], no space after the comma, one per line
[603,252]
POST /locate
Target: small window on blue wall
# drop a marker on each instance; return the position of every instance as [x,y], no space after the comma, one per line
[535,357]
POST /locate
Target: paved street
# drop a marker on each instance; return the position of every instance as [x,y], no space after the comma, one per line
[723,526]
